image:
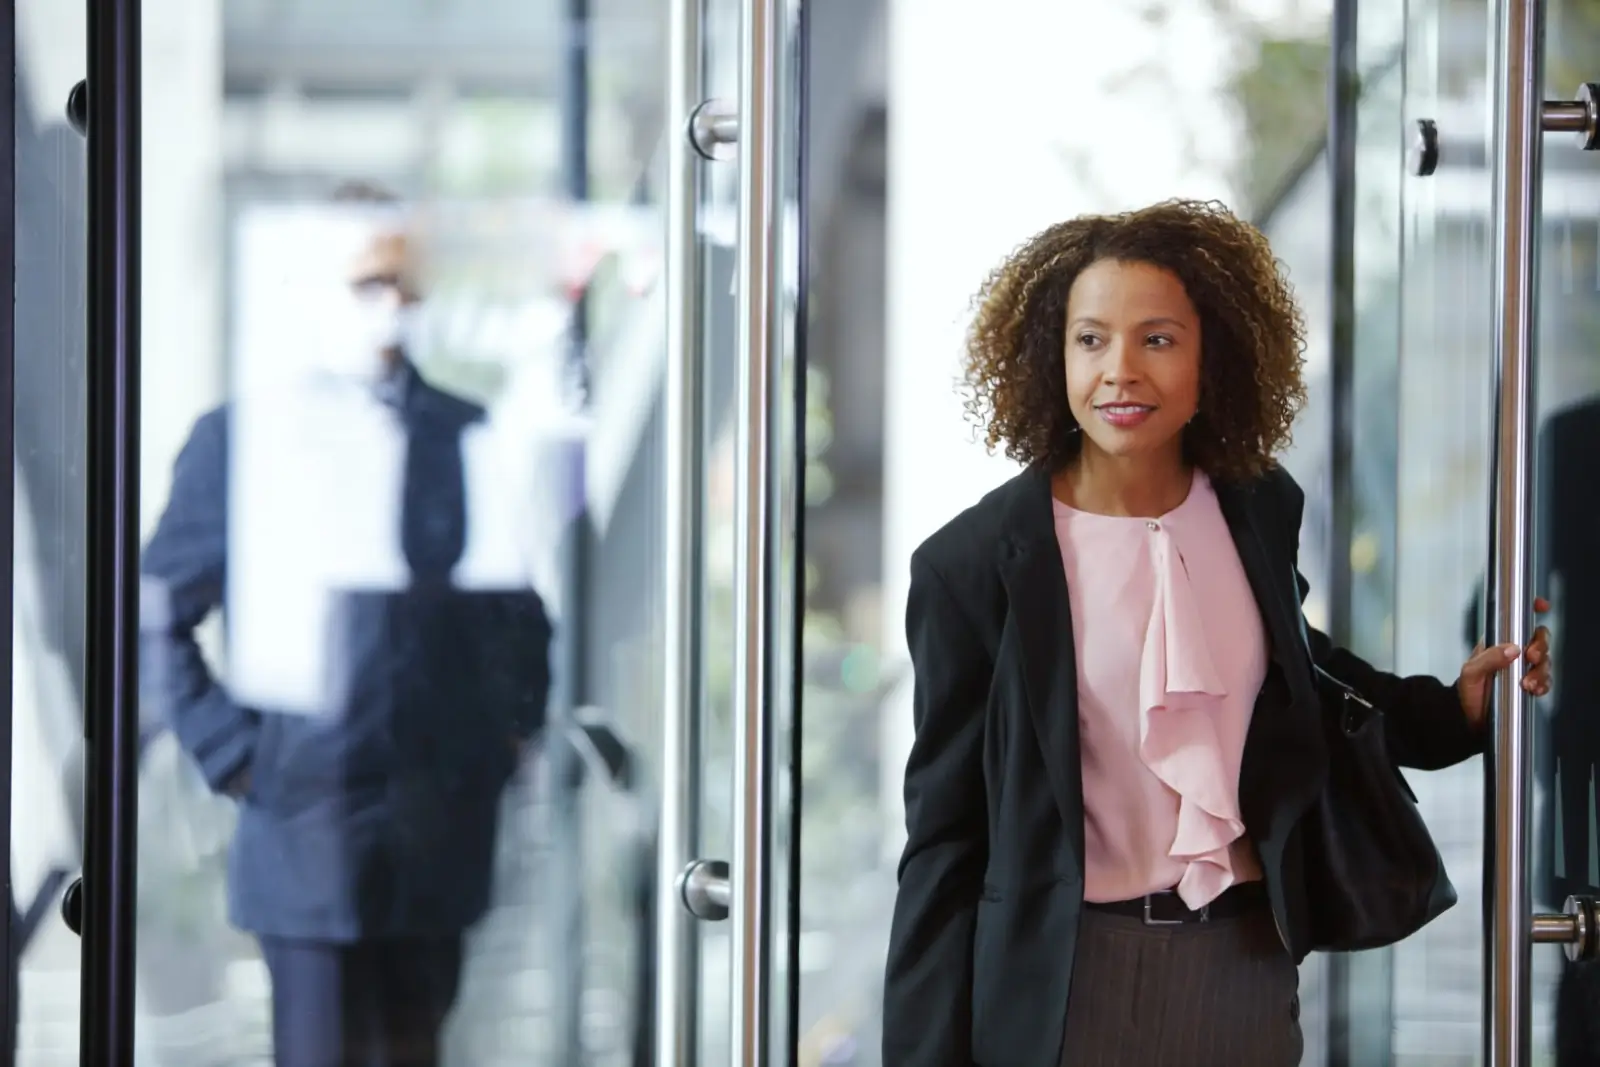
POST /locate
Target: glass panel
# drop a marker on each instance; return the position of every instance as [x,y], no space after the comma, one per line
[722,353]
[1440,486]
[399,658]
[48,589]
[718,224]
[1440,498]
[921,178]
[1567,748]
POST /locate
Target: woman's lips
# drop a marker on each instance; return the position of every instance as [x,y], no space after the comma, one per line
[1125,416]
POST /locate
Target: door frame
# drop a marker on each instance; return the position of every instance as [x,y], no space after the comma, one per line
[9,984]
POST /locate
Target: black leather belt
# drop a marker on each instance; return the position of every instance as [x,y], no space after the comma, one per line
[1166,908]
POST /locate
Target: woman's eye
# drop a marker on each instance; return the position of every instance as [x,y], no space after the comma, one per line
[1157,340]
[1088,340]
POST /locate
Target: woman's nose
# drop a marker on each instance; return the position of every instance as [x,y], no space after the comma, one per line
[1121,363]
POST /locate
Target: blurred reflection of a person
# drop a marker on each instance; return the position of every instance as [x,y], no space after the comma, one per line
[333,516]
[1568,561]
[1567,770]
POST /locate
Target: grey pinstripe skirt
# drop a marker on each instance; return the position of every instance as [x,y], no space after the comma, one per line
[1217,994]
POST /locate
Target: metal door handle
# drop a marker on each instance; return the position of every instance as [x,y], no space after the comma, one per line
[1577,928]
[1425,149]
[1580,116]
[1521,119]
[705,890]
[714,130]
[78,108]
[72,906]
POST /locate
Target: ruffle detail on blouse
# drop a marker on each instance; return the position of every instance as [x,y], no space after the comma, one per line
[1179,693]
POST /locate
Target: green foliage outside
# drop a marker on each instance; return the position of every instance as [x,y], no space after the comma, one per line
[1282,95]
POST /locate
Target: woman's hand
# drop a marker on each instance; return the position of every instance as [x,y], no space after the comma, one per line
[1478,673]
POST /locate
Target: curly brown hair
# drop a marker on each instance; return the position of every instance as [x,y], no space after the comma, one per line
[1252,335]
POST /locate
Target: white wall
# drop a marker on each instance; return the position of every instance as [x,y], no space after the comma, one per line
[1007,116]
[182,59]
[181,305]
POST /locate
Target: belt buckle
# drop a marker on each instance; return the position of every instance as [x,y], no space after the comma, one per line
[1151,920]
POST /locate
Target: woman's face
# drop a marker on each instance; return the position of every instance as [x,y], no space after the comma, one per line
[1132,359]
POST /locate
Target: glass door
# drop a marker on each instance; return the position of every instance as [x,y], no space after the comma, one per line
[382,460]
[1468,291]
[728,824]
[729,838]
[533,755]
[432,461]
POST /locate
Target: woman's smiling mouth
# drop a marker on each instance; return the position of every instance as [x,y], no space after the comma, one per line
[1125,416]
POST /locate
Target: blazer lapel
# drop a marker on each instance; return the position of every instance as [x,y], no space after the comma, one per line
[1281,768]
[1272,578]
[1041,613]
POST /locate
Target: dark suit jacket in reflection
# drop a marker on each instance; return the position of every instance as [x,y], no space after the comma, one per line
[991,880]
[377,820]
[1568,525]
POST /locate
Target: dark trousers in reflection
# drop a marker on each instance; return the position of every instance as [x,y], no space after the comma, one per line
[1578,1016]
[379,1003]
[8,1054]
[1568,564]
[1567,742]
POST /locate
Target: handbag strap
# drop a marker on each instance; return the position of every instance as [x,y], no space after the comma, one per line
[1343,687]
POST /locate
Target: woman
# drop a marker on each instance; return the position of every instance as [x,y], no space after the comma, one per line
[1116,726]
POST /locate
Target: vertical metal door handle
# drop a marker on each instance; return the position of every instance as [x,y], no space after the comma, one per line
[751,913]
[1521,118]
[677,965]
[111,714]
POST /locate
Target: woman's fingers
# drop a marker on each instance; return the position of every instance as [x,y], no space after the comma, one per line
[1539,647]
[1488,662]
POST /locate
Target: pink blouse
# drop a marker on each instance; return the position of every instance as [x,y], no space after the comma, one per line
[1171,654]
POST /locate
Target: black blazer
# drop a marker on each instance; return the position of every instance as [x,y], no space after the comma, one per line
[991,880]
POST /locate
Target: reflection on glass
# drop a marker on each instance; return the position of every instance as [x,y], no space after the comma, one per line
[524,148]
[398,678]
[1566,850]
[48,539]
[1441,494]
[388,652]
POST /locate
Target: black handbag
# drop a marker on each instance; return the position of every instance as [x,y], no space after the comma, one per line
[1373,873]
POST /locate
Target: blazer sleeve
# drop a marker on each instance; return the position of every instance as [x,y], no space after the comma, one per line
[927,1015]
[1424,723]
[182,580]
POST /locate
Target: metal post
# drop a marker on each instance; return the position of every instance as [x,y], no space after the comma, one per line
[111,688]
[1359,998]
[1507,898]
[10,934]
[677,959]
[566,897]
[759,232]
[1344,101]
[798,112]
